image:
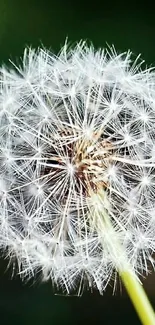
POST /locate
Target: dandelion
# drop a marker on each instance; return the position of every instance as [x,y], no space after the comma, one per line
[77,162]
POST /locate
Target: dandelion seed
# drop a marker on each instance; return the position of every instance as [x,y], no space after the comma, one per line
[77,185]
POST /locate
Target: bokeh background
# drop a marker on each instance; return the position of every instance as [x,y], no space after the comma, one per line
[127,25]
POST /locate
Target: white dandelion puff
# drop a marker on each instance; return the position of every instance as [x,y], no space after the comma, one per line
[77,165]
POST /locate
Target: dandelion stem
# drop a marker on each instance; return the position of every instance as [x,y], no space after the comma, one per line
[133,286]
[138,297]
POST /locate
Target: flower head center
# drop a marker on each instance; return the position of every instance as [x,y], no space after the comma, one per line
[89,159]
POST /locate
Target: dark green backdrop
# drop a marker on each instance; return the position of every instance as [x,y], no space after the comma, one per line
[36,22]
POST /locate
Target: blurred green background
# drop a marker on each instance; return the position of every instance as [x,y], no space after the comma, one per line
[33,23]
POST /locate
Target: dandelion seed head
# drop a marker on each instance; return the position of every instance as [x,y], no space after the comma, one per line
[77,153]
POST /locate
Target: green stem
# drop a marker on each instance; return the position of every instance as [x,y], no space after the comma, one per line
[135,290]
[138,297]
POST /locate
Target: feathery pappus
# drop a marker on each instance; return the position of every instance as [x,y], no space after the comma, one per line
[77,165]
